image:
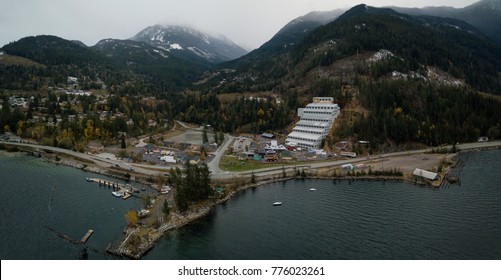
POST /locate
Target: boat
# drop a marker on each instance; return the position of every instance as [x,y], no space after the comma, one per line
[117,194]
[88,179]
[143,189]
[313,189]
[277,203]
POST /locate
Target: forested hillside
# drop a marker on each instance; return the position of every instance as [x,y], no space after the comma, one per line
[400,80]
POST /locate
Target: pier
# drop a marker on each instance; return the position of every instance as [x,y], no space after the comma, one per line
[71,240]
[119,190]
[86,236]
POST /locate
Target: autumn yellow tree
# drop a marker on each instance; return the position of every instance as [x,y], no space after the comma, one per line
[20,128]
[37,132]
[131,218]
[89,130]
[65,139]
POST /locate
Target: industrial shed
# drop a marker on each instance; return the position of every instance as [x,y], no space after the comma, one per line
[425,174]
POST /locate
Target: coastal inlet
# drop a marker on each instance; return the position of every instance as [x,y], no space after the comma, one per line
[39,194]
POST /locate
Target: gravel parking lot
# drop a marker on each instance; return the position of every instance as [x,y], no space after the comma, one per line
[191,137]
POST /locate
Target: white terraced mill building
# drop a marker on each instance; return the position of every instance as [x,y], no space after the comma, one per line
[316,122]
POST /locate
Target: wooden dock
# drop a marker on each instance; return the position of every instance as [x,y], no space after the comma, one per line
[125,190]
[87,235]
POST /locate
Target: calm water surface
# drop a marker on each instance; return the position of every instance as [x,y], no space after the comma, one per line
[361,220]
[36,194]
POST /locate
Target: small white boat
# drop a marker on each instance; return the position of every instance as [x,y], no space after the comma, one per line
[277,203]
[117,194]
[313,189]
[88,179]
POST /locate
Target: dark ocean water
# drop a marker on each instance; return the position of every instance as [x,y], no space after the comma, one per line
[36,194]
[361,220]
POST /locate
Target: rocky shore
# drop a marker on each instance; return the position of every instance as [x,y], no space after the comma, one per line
[136,247]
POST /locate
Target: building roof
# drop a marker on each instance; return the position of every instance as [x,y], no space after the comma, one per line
[312,123]
[323,105]
[425,174]
[150,147]
[325,117]
[308,136]
[308,129]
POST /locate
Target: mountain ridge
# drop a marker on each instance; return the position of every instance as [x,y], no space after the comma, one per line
[399,79]
[365,29]
[189,40]
[484,15]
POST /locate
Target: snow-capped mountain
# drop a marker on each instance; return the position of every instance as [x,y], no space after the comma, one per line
[191,42]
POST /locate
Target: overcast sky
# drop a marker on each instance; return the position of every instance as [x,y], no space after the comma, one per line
[249,23]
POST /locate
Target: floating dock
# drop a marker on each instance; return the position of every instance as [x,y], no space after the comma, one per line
[125,190]
[87,235]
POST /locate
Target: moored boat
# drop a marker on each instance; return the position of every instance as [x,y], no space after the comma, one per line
[117,194]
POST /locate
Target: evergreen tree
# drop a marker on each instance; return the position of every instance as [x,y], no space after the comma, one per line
[205,138]
[165,208]
[221,137]
[123,145]
[216,138]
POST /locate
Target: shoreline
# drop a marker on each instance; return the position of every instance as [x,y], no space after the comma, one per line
[178,220]
[202,210]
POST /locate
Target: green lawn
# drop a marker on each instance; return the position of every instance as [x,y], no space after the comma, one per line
[231,163]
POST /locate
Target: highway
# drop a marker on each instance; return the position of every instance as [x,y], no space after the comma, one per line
[217,173]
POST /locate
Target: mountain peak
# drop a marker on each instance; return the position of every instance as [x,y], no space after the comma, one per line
[363,10]
[191,41]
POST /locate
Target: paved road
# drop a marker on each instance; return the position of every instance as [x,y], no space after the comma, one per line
[100,162]
[214,164]
[217,173]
